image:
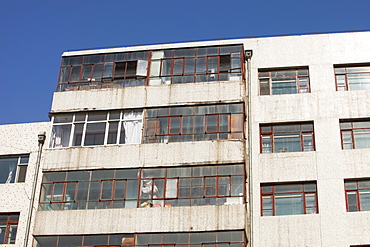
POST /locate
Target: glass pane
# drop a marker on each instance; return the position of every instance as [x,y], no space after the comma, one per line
[61,135]
[82,191]
[22,170]
[112,134]
[119,189]
[189,66]
[77,135]
[132,189]
[212,65]
[155,67]
[362,138]
[171,188]
[289,204]
[94,193]
[166,67]
[95,133]
[201,65]
[223,186]
[212,123]
[177,69]
[58,192]
[106,191]
[210,186]
[288,188]
[365,200]
[179,172]
[174,125]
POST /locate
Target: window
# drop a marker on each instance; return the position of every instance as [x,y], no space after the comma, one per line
[13,169]
[288,199]
[350,78]
[357,195]
[185,239]
[96,128]
[278,138]
[188,65]
[284,81]
[355,134]
[185,65]
[145,187]
[100,71]
[8,227]
[194,123]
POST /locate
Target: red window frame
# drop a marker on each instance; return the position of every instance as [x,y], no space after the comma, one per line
[355,187]
[12,219]
[269,145]
[341,73]
[271,193]
[225,186]
[154,132]
[348,129]
[300,89]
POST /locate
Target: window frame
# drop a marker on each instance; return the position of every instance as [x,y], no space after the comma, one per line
[265,135]
[54,194]
[342,71]
[9,223]
[273,194]
[153,130]
[352,133]
[298,78]
[19,176]
[357,193]
[77,139]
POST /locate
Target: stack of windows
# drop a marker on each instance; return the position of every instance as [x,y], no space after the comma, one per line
[180,239]
[13,169]
[219,63]
[144,187]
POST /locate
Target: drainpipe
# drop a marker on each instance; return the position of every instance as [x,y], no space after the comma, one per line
[248,56]
[41,140]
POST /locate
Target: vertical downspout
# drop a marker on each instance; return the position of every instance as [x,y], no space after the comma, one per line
[41,140]
[248,55]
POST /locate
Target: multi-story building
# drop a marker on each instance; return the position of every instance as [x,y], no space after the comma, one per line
[243,142]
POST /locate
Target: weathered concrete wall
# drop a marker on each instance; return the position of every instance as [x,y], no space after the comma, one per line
[145,155]
[17,139]
[132,220]
[329,165]
[148,96]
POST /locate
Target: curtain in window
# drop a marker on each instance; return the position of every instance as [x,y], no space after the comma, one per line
[8,168]
[61,135]
[133,125]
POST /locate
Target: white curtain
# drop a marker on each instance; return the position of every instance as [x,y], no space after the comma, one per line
[133,124]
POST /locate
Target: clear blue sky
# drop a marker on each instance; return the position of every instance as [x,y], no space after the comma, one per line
[34,34]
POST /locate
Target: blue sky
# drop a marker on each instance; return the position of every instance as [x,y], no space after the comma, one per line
[34,34]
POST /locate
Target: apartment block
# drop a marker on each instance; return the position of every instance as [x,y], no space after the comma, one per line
[229,143]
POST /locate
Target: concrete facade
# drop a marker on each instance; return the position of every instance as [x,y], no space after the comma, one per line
[328,165]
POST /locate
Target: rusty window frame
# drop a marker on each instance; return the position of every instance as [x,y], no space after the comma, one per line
[61,200]
[157,136]
[133,239]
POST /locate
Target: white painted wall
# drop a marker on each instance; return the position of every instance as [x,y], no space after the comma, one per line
[329,164]
[17,139]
